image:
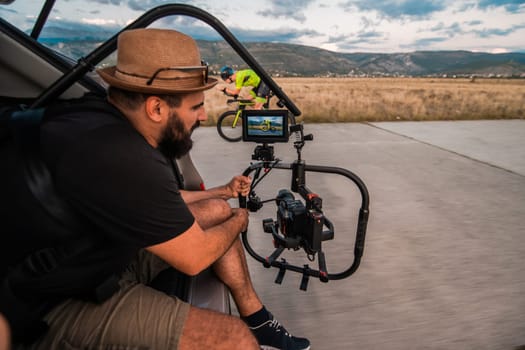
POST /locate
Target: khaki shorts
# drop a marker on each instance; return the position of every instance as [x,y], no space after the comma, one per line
[136,317]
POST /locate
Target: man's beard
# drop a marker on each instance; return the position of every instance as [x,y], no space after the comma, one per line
[176,141]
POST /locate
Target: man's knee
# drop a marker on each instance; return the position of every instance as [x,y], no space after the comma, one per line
[210,212]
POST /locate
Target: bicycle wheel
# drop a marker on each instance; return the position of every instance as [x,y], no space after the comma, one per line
[226,129]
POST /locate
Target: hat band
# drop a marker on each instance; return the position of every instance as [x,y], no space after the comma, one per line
[182,82]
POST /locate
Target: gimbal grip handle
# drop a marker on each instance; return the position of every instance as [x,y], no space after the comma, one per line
[323,274]
[242,201]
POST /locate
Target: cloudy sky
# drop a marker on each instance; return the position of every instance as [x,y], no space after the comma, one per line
[337,25]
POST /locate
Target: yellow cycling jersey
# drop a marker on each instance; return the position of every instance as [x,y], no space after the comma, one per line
[246,77]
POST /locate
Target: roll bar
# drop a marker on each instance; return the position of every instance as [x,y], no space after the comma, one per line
[88,63]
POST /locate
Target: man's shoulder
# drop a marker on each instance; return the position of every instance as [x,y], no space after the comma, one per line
[86,129]
[88,115]
[87,104]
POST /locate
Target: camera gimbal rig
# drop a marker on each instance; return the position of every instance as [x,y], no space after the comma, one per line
[298,224]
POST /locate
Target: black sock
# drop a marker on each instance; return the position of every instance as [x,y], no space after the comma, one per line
[257,318]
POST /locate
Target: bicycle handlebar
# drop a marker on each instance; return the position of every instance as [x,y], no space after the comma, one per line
[240,101]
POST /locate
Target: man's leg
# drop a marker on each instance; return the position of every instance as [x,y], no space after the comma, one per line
[232,269]
[138,316]
[205,329]
[142,317]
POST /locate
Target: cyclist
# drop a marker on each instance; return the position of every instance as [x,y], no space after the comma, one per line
[245,78]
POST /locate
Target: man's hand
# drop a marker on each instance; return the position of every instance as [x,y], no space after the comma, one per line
[239,185]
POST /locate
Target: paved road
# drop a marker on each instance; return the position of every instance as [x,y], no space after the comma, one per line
[445,253]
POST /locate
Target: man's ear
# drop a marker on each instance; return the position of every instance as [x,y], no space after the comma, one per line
[156,108]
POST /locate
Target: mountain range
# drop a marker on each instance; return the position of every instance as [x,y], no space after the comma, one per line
[281,59]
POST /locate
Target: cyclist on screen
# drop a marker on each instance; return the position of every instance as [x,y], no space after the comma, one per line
[245,78]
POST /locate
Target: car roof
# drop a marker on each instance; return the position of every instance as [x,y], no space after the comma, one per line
[27,68]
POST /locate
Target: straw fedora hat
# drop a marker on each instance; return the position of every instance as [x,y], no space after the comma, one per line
[157,61]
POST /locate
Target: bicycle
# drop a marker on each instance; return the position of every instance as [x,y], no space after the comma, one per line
[229,124]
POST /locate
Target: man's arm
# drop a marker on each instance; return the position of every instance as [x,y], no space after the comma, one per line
[196,249]
[210,212]
[238,184]
[215,228]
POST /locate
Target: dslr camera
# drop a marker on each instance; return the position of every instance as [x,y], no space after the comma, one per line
[298,225]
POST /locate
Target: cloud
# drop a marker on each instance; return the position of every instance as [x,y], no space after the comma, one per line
[489,32]
[188,25]
[138,5]
[394,9]
[99,21]
[72,30]
[370,34]
[142,5]
[286,9]
[107,2]
[509,5]
[369,25]
[285,35]
[425,42]
[499,50]
[451,30]
[199,30]
[473,23]
[363,41]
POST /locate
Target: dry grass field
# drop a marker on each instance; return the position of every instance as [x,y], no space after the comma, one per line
[330,100]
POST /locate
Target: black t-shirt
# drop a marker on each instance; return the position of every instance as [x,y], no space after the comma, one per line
[123,191]
[113,177]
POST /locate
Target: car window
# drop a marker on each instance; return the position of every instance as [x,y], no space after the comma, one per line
[73,28]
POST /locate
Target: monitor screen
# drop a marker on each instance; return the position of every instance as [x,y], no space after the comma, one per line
[265,126]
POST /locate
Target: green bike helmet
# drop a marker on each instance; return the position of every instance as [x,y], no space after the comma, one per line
[226,72]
